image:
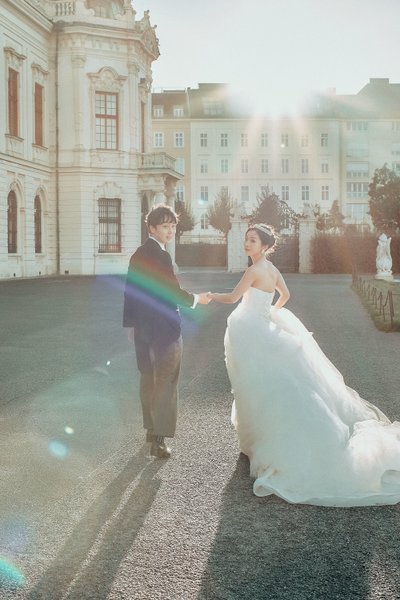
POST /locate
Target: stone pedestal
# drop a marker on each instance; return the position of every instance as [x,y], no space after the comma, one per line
[236,258]
[307,230]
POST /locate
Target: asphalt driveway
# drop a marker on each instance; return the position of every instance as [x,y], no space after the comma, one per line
[87,514]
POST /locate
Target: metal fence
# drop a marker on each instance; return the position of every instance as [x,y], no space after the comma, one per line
[381,300]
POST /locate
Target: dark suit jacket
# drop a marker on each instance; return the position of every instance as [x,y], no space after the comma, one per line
[152,295]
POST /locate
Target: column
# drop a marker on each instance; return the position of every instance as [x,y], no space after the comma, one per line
[307,231]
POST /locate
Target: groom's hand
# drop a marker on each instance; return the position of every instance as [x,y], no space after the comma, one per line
[131,335]
[204,298]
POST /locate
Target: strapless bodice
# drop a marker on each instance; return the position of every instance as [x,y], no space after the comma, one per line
[258,301]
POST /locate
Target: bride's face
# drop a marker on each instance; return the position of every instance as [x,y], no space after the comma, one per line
[252,245]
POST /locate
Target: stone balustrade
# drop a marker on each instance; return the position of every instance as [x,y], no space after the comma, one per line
[156,160]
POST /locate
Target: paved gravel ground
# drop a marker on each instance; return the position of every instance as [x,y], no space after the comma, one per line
[85,513]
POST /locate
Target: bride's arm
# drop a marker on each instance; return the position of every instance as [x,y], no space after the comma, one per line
[282,290]
[235,295]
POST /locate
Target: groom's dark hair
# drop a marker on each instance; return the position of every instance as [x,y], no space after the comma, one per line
[161,213]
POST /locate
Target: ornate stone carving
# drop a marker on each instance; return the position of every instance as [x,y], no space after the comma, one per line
[148,35]
[107,80]
[39,74]
[109,189]
[383,258]
[14,58]
[82,10]
[78,60]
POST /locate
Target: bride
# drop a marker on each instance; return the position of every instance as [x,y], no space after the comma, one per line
[310,439]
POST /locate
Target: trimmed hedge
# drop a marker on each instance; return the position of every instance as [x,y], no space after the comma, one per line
[344,253]
[201,255]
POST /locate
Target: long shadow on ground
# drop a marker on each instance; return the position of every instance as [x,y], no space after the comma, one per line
[86,566]
[266,549]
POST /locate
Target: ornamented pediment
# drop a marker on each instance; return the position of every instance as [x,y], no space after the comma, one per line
[39,74]
[109,189]
[14,58]
[107,80]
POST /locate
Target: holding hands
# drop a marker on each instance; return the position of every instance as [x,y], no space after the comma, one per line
[205,298]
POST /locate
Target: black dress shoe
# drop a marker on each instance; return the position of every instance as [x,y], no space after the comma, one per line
[160,450]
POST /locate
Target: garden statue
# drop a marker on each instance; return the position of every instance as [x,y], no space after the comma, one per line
[383,258]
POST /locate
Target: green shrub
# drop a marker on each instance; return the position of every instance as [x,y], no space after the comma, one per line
[344,253]
[200,255]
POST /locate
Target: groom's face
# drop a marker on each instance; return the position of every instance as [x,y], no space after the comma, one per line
[164,232]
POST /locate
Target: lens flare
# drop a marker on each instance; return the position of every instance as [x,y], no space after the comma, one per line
[10,576]
[58,449]
[68,430]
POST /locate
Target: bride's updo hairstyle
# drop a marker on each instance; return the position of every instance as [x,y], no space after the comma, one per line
[266,235]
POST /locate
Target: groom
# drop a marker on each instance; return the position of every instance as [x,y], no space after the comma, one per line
[152,293]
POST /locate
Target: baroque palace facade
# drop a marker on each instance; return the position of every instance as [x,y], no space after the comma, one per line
[77,169]
[327,153]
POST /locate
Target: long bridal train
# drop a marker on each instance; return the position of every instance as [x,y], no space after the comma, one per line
[310,438]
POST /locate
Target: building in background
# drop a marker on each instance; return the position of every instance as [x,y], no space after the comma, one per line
[77,167]
[329,152]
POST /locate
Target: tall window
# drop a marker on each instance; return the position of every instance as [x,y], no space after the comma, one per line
[109,225]
[304,141]
[180,165]
[204,167]
[244,140]
[264,165]
[204,222]
[244,193]
[305,193]
[12,223]
[203,140]
[178,111]
[264,140]
[325,192]
[324,166]
[179,140]
[324,140]
[212,107]
[285,165]
[224,165]
[357,125]
[244,165]
[38,224]
[106,121]
[204,193]
[357,212]
[158,110]
[284,140]
[285,193]
[38,114]
[180,192]
[158,139]
[304,166]
[13,102]
[224,140]
[357,190]
[358,169]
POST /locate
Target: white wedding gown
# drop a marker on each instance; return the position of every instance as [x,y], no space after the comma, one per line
[310,438]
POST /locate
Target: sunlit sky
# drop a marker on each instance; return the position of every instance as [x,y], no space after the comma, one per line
[277,50]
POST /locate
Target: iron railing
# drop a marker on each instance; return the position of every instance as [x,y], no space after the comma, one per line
[382,301]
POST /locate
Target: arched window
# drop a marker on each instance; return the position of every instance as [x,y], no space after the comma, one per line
[38,225]
[204,221]
[12,223]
